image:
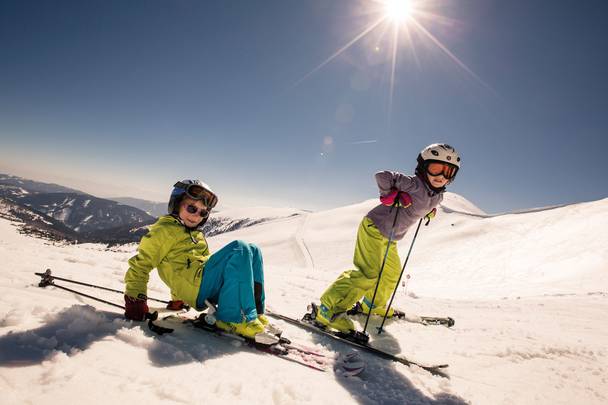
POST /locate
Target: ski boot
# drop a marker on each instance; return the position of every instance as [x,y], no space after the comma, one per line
[247,329]
[270,327]
[328,319]
[380,311]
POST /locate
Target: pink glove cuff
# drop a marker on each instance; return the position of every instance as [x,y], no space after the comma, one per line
[389,199]
[405,199]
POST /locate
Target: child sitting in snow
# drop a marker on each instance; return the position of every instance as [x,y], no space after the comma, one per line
[406,199]
[233,277]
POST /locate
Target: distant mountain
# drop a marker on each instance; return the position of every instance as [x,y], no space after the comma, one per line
[85,213]
[71,214]
[119,235]
[13,186]
[155,209]
[33,223]
[62,213]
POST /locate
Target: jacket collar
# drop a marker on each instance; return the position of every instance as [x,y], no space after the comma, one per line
[177,220]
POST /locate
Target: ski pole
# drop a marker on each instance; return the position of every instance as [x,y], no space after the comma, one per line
[388,307]
[390,239]
[47,276]
[149,316]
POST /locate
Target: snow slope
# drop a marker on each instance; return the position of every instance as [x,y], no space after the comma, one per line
[529,292]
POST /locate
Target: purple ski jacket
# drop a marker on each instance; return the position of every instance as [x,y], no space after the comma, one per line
[423,201]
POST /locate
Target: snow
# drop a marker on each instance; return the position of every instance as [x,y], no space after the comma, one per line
[63,214]
[255,213]
[529,292]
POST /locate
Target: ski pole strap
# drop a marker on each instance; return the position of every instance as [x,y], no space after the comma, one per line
[430,216]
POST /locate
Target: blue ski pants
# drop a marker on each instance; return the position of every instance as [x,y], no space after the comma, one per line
[233,278]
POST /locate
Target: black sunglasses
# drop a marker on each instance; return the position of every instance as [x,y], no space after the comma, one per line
[203,212]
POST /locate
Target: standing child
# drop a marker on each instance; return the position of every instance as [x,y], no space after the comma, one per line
[233,277]
[403,197]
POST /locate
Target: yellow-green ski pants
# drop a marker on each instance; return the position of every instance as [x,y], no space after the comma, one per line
[361,281]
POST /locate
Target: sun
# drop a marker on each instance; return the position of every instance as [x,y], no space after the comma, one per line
[398,11]
[403,23]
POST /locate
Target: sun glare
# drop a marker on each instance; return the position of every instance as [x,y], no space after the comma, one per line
[398,11]
[408,20]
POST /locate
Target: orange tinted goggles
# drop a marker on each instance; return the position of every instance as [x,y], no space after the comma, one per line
[445,169]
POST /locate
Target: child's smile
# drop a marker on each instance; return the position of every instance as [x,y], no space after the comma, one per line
[437,181]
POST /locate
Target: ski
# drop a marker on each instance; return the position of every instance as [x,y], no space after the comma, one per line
[307,322]
[447,321]
[279,346]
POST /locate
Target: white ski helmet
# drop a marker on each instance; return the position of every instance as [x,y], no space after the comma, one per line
[437,152]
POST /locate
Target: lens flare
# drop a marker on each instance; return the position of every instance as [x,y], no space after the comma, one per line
[395,24]
[398,11]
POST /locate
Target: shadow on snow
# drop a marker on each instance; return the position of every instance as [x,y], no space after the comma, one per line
[382,382]
[77,328]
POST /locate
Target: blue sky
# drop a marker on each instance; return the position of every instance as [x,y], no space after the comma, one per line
[125,97]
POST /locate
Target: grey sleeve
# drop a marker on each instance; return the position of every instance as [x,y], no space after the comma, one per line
[387,180]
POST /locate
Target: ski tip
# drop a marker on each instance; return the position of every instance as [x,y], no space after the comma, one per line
[266,338]
[350,364]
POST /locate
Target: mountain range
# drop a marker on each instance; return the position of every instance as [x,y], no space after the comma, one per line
[62,213]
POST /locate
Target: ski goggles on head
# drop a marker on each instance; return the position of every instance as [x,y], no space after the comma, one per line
[203,212]
[198,192]
[441,169]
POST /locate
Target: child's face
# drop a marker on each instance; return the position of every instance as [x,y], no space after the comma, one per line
[437,181]
[192,219]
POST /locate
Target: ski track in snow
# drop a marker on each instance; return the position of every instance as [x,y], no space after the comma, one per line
[524,333]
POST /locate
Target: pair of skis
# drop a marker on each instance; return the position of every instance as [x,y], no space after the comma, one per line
[355,340]
[350,364]
[274,344]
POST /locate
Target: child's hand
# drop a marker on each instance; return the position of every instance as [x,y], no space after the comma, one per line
[389,199]
[135,308]
[177,305]
[404,199]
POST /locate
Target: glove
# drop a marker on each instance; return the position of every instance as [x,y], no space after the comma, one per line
[136,308]
[389,199]
[405,200]
[176,305]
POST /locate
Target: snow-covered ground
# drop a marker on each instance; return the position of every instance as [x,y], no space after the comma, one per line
[529,292]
